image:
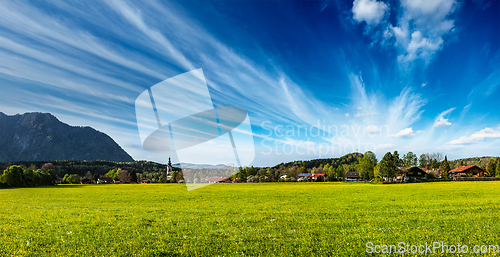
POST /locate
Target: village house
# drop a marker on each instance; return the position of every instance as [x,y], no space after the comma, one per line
[352,176]
[85,180]
[105,180]
[317,177]
[218,180]
[414,173]
[466,171]
[311,177]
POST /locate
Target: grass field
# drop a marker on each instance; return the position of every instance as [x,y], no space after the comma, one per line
[299,219]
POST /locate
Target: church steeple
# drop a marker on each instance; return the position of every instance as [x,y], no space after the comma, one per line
[169,167]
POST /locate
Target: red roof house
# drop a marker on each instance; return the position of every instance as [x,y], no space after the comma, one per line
[464,171]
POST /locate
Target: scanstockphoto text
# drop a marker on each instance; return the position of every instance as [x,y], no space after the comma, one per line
[430,248]
[322,139]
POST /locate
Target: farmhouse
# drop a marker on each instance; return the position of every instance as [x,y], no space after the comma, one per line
[466,171]
[317,177]
[218,180]
[105,180]
[352,176]
[85,180]
[414,173]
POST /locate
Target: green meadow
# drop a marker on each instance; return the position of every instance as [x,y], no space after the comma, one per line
[266,219]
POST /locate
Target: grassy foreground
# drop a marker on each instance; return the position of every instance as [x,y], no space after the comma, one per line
[328,219]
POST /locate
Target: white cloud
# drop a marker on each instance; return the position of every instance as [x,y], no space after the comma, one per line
[370,11]
[372,129]
[365,114]
[407,132]
[347,115]
[420,29]
[441,121]
[384,146]
[476,137]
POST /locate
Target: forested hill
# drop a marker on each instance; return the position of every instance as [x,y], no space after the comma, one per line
[42,137]
[95,167]
[349,159]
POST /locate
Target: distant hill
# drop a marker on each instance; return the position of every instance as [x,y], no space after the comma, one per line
[199,166]
[479,161]
[42,137]
[351,158]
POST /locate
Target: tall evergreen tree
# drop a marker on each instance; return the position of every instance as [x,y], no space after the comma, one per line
[445,168]
[366,165]
[388,167]
[490,169]
[133,176]
[497,171]
[396,160]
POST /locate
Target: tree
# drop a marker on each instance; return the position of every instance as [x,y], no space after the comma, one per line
[173,176]
[29,177]
[13,176]
[461,163]
[388,167]
[242,175]
[422,162]
[396,160]
[113,174]
[445,168]
[133,176]
[367,165]
[179,177]
[340,171]
[65,178]
[50,168]
[123,176]
[95,178]
[301,169]
[433,164]
[410,159]
[491,167]
[376,172]
[497,171]
[330,172]
[71,179]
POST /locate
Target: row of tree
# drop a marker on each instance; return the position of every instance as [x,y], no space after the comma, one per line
[16,176]
[125,176]
[80,168]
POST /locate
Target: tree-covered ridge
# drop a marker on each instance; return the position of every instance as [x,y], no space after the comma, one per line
[351,158]
[96,167]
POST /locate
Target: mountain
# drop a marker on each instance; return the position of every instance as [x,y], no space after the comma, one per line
[42,137]
[199,166]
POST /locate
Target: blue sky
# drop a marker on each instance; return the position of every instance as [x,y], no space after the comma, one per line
[419,76]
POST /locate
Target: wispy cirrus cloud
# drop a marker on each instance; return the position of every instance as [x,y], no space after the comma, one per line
[441,121]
